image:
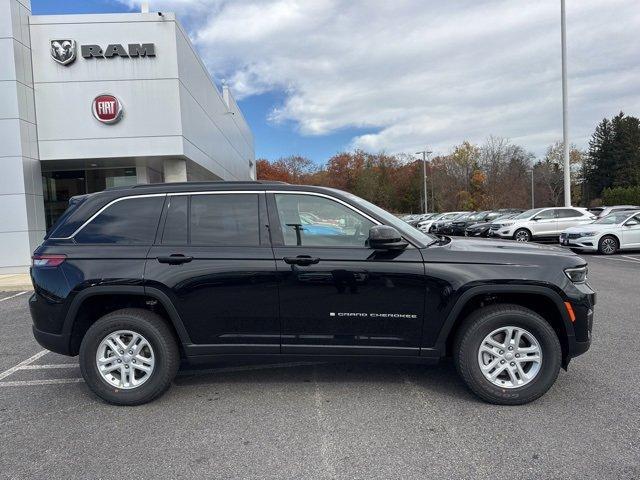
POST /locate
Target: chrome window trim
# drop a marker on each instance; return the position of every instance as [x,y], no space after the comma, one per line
[324,195]
[223,192]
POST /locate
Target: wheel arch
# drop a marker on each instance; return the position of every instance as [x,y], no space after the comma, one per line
[542,300]
[523,228]
[94,302]
[609,234]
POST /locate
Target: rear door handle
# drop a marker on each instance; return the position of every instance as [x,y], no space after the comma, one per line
[302,260]
[174,259]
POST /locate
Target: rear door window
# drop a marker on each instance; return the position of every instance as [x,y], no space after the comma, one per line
[568,213]
[132,221]
[225,219]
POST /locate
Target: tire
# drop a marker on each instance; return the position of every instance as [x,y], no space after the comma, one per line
[471,336]
[522,235]
[608,245]
[160,341]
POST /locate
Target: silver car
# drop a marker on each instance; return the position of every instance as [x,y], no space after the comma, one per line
[541,223]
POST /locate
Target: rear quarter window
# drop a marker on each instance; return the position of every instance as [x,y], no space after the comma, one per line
[132,221]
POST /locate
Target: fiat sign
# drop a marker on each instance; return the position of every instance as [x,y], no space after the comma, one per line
[107,108]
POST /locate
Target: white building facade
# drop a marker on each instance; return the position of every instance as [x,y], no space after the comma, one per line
[89,102]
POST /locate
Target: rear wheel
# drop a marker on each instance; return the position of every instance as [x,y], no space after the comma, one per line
[608,245]
[522,235]
[129,357]
[507,354]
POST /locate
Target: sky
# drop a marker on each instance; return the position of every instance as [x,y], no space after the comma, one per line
[317,77]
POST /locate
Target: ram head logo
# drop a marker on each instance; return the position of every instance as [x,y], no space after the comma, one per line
[63,51]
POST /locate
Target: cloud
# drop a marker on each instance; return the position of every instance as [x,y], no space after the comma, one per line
[424,72]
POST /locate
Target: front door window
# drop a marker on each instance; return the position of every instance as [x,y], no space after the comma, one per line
[313,221]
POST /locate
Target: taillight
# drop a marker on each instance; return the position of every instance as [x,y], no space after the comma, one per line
[47,260]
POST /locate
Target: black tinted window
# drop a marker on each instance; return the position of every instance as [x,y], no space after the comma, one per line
[225,219]
[128,222]
[175,225]
[568,213]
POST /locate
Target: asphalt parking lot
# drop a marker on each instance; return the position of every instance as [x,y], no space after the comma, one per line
[317,420]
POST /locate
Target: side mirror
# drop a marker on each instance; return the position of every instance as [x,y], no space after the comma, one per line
[535,219]
[383,237]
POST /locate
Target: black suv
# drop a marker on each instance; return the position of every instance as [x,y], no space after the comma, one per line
[137,279]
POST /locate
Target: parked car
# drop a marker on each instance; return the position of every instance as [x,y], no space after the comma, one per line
[445,219]
[135,280]
[540,223]
[604,211]
[617,231]
[460,224]
[452,227]
[425,225]
[420,218]
[481,229]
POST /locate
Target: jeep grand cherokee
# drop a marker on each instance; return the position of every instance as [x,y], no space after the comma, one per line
[135,280]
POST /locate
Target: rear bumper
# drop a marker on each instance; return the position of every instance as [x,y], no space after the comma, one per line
[56,342]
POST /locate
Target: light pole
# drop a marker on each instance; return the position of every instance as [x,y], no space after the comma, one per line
[424,177]
[565,117]
[532,190]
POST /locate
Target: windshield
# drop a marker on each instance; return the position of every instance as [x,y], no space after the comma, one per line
[388,218]
[529,213]
[465,216]
[614,218]
[477,216]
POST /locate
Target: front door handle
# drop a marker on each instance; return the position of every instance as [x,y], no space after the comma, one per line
[174,259]
[302,260]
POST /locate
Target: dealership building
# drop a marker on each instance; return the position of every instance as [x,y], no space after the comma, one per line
[89,102]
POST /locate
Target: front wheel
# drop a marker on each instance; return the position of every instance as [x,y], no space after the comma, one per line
[507,354]
[608,245]
[129,357]
[522,235]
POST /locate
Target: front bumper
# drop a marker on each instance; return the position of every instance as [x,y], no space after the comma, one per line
[476,232]
[582,243]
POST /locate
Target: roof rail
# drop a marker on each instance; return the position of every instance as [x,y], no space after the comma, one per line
[195,184]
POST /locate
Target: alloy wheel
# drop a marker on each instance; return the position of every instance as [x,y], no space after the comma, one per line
[522,236]
[125,359]
[510,357]
[608,245]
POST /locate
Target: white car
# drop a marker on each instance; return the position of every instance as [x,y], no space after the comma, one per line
[541,223]
[616,231]
[425,225]
[444,217]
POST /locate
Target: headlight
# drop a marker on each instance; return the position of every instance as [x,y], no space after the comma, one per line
[576,275]
[508,224]
[587,234]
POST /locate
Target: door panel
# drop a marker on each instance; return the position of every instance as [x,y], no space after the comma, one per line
[337,296]
[631,235]
[546,225]
[354,300]
[214,260]
[226,296]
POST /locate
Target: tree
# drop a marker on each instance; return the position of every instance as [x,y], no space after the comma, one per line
[614,156]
